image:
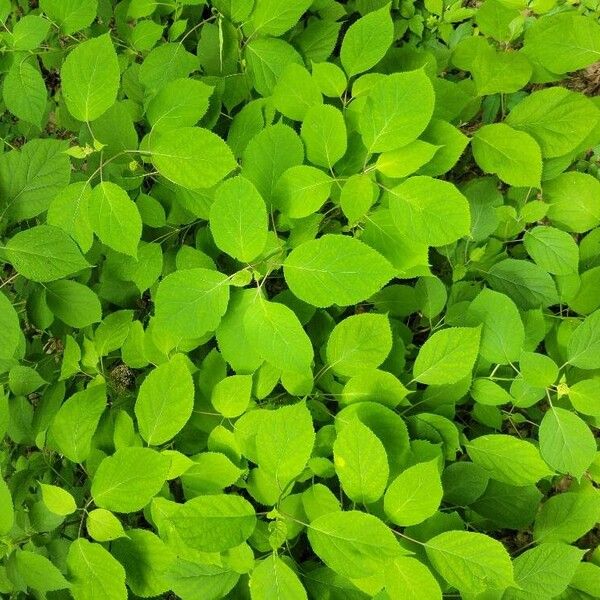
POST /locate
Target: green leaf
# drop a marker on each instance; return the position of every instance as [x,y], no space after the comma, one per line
[10,330]
[407,578]
[430,211]
[44,253]
[512,155]
[76,421]
[538,370]
[301,191]
[190,302]
[508,459]
[103,526]
[191,157]
[553,250]
[335,269]
[568,516]
[447,356]
[584,345]
[414,495]
[275,17]
[114,217]
[214,523]
[277,336]
[273,579]
[527,284]
[73,303]
[284,442]
[180,103]
[238,219]
[28,32]
[146,559]
[558,119]
[406,160]
[502,333]
[30,178]
[129,479]
[24,93]
[574,201]
[470,562]
[358,343]
[563,42]
[39,573]
[367,41]
[360,463]
[231,395]
[94,573]
[566,442]
[544,571]
[398,109]
[165,401]
[295,92]
[57,500]
[324,134]
[352,543]
[500,72]
[585,397]
[90,78]
[71,15]
[7,510]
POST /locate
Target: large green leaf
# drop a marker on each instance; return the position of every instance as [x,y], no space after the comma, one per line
[94,572]
[127,480]
[165,401]
[447,356]
[90,78]
[191,302]
[508,459]
[214,523]
[398,109]
[352,543]
[335,269]
[512,155]
[273,579]
[191,157]
[360,463]
[430,211]
[470,562]
[366,41]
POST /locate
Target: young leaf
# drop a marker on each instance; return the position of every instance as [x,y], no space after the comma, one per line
[38,572]
[73,303]
[324,133]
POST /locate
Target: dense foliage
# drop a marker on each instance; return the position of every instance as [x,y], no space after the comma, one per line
[300,299]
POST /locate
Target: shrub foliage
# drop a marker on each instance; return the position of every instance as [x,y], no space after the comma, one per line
[299,299]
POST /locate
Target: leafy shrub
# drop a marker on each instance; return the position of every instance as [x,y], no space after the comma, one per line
[300,298]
